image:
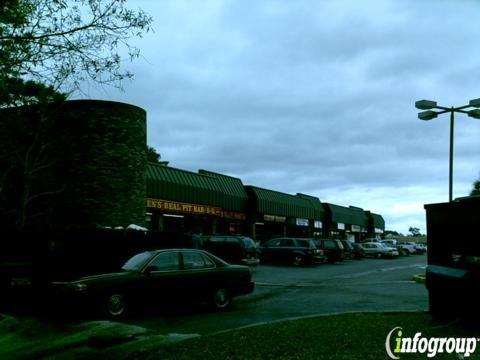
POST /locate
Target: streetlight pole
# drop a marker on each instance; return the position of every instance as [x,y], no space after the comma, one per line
[450,171]
[429,115]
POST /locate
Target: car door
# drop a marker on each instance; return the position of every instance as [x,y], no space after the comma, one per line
[199,275]
[162,277]
[368,249]
[287,248]
[270,250]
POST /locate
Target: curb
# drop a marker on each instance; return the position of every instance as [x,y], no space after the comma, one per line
[420,278]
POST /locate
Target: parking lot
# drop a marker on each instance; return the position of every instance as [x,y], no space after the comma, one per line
[284,292]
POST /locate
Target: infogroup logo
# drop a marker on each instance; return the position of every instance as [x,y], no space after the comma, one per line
[429,346]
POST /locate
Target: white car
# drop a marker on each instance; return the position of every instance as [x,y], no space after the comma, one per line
[403,248]
[377,249]
[409,246]
[421,248]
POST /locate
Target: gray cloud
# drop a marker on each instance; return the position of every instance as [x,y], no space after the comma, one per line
[314,96]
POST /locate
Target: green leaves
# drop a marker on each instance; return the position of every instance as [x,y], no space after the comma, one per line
[476,188]
[18,92]
[63,44]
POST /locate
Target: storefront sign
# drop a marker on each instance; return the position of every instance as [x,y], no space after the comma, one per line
[193,209]
[273,218]
[183,207]
[356,228]
[301,222]
[233,215]
[318,224]
[340,226]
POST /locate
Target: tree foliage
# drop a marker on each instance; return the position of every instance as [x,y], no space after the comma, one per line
[414,231]
[153,155]
[476,188]
[62,43]
[19,92]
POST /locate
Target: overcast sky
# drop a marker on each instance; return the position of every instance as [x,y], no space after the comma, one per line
[314,96]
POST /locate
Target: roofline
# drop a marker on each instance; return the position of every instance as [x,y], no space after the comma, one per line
[181,170]
[216,173]
[257,187]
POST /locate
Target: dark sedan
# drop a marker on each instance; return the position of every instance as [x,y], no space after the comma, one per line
[352,250]
[162,275]
[358,251]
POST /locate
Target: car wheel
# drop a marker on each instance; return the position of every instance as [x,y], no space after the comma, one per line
[379,255]
[116,305]
[221,299]
[298,260]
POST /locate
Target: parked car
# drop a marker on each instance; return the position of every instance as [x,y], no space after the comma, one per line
[377,249]
[358,251]
[295,251]
[233,249]
[347,249]
[158,276]
[390,243]
[403,248]
[333,249]
[420,248]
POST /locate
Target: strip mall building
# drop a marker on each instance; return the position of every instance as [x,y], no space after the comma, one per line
[180,201]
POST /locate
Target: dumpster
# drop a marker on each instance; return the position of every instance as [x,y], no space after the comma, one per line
[453,271]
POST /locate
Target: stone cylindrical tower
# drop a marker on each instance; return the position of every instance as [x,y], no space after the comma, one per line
[101,152]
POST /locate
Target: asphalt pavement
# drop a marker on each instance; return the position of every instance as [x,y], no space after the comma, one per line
[283,292]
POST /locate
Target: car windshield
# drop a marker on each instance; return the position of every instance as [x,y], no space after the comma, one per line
[137,261]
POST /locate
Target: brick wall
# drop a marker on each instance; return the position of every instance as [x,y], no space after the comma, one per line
[95,157]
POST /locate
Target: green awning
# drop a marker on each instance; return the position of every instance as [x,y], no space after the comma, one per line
[235,196]
[280,204]
[348,215]
[167,183]
[319,212]
[378,221]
